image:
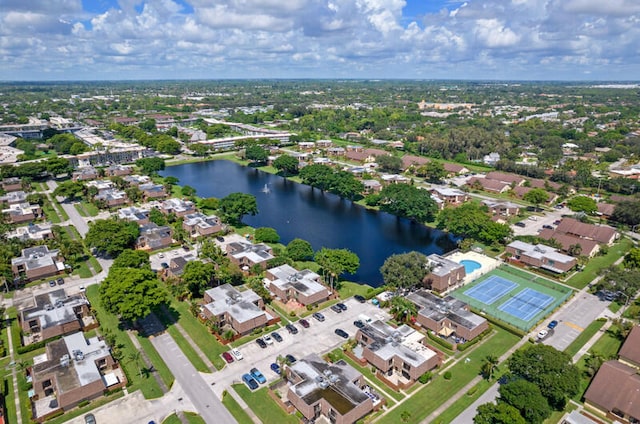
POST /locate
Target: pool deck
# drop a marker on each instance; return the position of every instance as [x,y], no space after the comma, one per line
[486,264]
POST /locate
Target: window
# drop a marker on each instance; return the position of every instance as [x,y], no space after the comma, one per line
[406,366]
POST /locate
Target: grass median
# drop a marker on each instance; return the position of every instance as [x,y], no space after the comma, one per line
[263,406]
[599,263]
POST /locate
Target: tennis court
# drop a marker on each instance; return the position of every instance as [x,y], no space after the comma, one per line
[514,296]
[491,289]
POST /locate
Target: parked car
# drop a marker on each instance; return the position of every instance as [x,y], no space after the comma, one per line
[533,218]
[227,357]
[249,381]
[520,224]
[291,358]
[291,329]
[267,339]
[60,281]
[542,334]
[220,238]
[90,419]
[261,343]
[340,332]
[164,265]
[318,316]
[275,368]
[556,222]
[336,308]
[553,324]
[305,323]
[548,227]
[52,283]
[236,354]
[276,336]
[360,298]
[257,375]
[358,323]
[341,306]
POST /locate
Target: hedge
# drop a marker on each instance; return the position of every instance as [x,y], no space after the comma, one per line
[440,341]
[464,346]
[511,329]
[37,345]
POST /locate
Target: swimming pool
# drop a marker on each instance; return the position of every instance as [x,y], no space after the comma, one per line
[470,265]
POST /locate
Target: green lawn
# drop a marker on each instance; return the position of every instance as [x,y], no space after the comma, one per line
[426,400]
[61,211]
[348,289]
[263,406]
[50,213]
[110,323]
[80,209]
[188,350]
[584,337]
[465,401]
[153,355]
[595,265]
[238,413]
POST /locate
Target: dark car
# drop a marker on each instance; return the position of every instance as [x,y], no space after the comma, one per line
[341,306]
[276,336]
[548,227]
[292,329]
[305,323]
[291,358]
[318,316]
[60,281]
[90,419]
[520,224]
[275,368]
[257,375]
[553,324]
[360,298]
[358,323]
[556,222]
[227,357]
[164,265]
[220,238]
[340,332]
[336,308]
[249,381]
[261,343]
[186,247]
[52,283]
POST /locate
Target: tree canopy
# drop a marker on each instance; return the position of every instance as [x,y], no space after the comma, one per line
[526,397]
[389,163]
[131,293]
[299,250]
[70,189]
[236,205]
[404,269]
[472,220]
[536,196]
[627,212]
[267,235]
[150,165]
[256,153]
[198,275]
[409,202]
[132,259]
[112,236]
[583,204]
[286,164]
[501,413]
[337,261]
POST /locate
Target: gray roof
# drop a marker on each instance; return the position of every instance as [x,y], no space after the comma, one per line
[256,253]
[441,265]
[540,251]
[53,308]
[240,305]
[305,281]
[438,308]
[36,257]
[387,342]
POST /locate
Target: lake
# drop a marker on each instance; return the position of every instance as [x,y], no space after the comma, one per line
[323,219]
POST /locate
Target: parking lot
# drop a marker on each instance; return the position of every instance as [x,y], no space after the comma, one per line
[533,227]
[318,338]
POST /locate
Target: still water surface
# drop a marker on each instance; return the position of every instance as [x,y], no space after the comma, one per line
[323,219]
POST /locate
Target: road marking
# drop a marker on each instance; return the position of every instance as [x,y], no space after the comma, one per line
[574,326]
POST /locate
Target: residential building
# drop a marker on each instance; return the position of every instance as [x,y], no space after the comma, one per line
[11,184]
[588,248]
[416,161]
[178,207]
[488,185]
[450,196]
[305,287]
[598,233]
[118,170]
[18,213]
[336,391]
[101,185]
[105,157]
[154,237]
[444,273]
[175,268]
[522,191]
[112,197]
[246,255]
[371,186]
[73,369]
[152,191]
[605,210]
[136,180]
[541,256]
[397,353]
[200,225]
[241,311]
[577,417]
[447,316]
[41,231]
[629,353]
[14,198]
[514,179]
[37,262]
[134,214]
[88,173]
[491,159]
[615,392]
[454,169]
[51,314]
[502,208]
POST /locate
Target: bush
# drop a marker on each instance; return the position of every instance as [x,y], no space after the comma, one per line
[424,378]
[83,403]
[34,346]
[447,375]
[440,341]
[472,391]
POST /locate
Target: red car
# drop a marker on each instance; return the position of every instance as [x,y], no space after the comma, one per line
[227,357]
[304,323]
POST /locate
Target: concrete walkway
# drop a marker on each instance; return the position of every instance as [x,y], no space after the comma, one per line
[14,374]
[195,347]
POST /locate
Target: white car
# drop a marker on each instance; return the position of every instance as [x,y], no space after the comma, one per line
[542,334]
[236,354]
[267,339]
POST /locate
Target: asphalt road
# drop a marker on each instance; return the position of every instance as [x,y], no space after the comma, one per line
[196,389]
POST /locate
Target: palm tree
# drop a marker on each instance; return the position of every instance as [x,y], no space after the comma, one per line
[489,366]
[403,309]
[135,357]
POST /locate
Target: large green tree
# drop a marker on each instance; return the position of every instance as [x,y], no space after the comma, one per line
[111,236]
[472,220]
[583,204]
[627,212]
[256,153]
[132,259]
[150,165]
[551,370]
[537,196]
[299,250]
[409,202]
[334,262]
[501,413]
[198,276]
[388,163]
[236,205]
[526,397]
[404,269]
[267,235]
[287,165]
[317,175]
[131,293]
[70,189]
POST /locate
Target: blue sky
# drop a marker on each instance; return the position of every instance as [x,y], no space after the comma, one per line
[422,39]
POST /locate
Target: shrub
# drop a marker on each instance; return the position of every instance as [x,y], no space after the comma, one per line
[83,403]
[424,378]
[447,375]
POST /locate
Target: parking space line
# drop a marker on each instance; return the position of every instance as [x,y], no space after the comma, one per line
[574,326]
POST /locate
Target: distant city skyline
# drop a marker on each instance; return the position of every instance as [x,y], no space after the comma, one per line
[372,39]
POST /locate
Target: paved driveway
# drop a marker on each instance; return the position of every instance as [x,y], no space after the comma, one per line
[318,338]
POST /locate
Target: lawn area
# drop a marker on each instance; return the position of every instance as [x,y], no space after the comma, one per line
[109,323]
[188,350]
[80,209]
[425,401]
[199,333]
[348,289]
[465,401]
[61,211]
[238,413]
[263,406]
[584,277]
[584,337]
[156,360]
[50,213]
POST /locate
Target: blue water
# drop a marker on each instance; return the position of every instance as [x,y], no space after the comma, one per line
[323,219]
[470,265]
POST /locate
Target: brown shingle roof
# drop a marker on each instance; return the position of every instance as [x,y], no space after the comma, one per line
[567,240]
[630,350]
[505,178]
[599,233]
[606,208]
[409,160]
[489,185]
[616,386]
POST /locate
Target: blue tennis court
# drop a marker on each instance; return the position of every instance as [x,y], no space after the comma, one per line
[491,289]
[526,304]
